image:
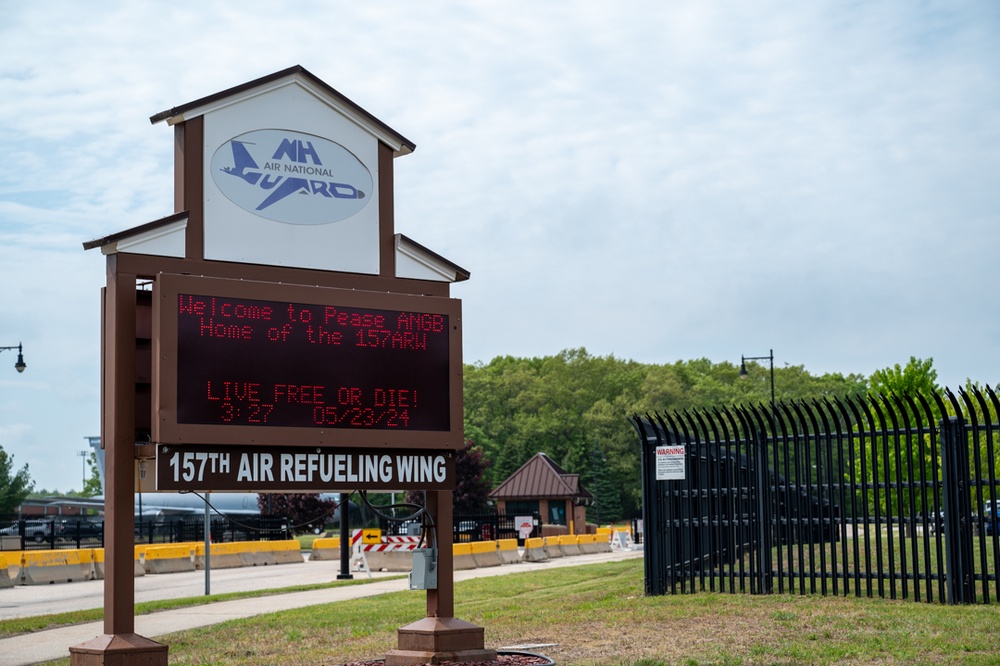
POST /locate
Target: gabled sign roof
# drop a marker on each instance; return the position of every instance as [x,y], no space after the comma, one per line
[296,75]
[217,225]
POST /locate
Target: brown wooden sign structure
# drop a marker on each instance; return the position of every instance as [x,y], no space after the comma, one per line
[295,342]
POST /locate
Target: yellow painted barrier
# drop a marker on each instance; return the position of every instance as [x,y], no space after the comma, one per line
[97,564]
[223,556]
[602,543]
[168,558]
[284,552]
[267,553]
[484,553]
[551,545]
[587,543]
[569,545]
[534,550]
[43,567]
[327,548]
[462,556]
[507,551]
[5,578]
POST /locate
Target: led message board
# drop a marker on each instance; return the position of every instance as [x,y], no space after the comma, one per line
[242,362]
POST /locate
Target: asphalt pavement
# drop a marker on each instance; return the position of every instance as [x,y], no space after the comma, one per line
[29,601]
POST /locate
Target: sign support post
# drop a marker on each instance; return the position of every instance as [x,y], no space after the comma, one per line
[119,644]
[440,637]
[345,539]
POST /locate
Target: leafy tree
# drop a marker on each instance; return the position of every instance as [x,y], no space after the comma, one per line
[919,376]
[472,489]
[14,486]
[886,459]
[986,460]
[306,511]
[92,487]
[573,404]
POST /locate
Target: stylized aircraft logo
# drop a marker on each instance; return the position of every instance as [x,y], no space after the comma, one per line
[282,175]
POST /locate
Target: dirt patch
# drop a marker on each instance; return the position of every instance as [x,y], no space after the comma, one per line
[501,660]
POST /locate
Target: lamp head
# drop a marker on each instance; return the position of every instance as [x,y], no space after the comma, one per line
[743,367]
[20,365]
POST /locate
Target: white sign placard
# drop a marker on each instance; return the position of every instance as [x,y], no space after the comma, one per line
[525,525]
[290,181]
[291,177]
[670,463]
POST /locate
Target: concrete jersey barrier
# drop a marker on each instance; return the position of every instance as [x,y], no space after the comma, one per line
[534,550]
[552,547]
[587,544]
[326,548]
[43,567]
[569,544]
[5,567]
[46,567]
[222,556]
[462,556]
[389,559]
[484,554]
[168,558]
[507,551]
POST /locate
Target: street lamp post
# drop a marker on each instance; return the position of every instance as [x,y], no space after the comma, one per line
[83,456]
[20,365]
[770,359]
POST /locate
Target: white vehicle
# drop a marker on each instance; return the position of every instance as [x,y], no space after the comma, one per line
[34,530]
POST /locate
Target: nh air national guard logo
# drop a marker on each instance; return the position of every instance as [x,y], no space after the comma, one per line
[291,177]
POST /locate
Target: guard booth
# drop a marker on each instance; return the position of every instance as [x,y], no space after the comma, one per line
[276,334]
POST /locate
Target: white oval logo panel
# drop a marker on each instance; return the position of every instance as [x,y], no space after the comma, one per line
[291,177]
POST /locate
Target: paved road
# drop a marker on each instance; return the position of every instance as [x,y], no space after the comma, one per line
[25,601]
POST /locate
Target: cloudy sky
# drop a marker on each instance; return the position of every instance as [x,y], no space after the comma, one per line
[659,181]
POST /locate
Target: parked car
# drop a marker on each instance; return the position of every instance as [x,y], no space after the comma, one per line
[80,529]
[34,530]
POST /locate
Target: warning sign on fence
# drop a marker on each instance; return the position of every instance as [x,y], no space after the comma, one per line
[670,463]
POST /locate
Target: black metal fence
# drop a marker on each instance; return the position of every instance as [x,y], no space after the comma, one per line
[223,529]
[889,496]
[52,532]
[485,526]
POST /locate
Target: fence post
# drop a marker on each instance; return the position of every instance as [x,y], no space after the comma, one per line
[765,578]
[957,510]
[653,549]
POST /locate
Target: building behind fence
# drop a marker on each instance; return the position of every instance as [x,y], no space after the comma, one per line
[889,496]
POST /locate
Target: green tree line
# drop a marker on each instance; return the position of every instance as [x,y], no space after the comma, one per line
[574,407]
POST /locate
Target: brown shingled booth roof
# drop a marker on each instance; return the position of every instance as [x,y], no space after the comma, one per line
[541,478]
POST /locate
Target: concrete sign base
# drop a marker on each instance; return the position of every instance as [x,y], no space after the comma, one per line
[435,640]
[119,650]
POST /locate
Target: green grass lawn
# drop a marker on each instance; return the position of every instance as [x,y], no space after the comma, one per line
[598,614]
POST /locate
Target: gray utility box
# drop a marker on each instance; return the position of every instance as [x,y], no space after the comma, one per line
[424,575]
